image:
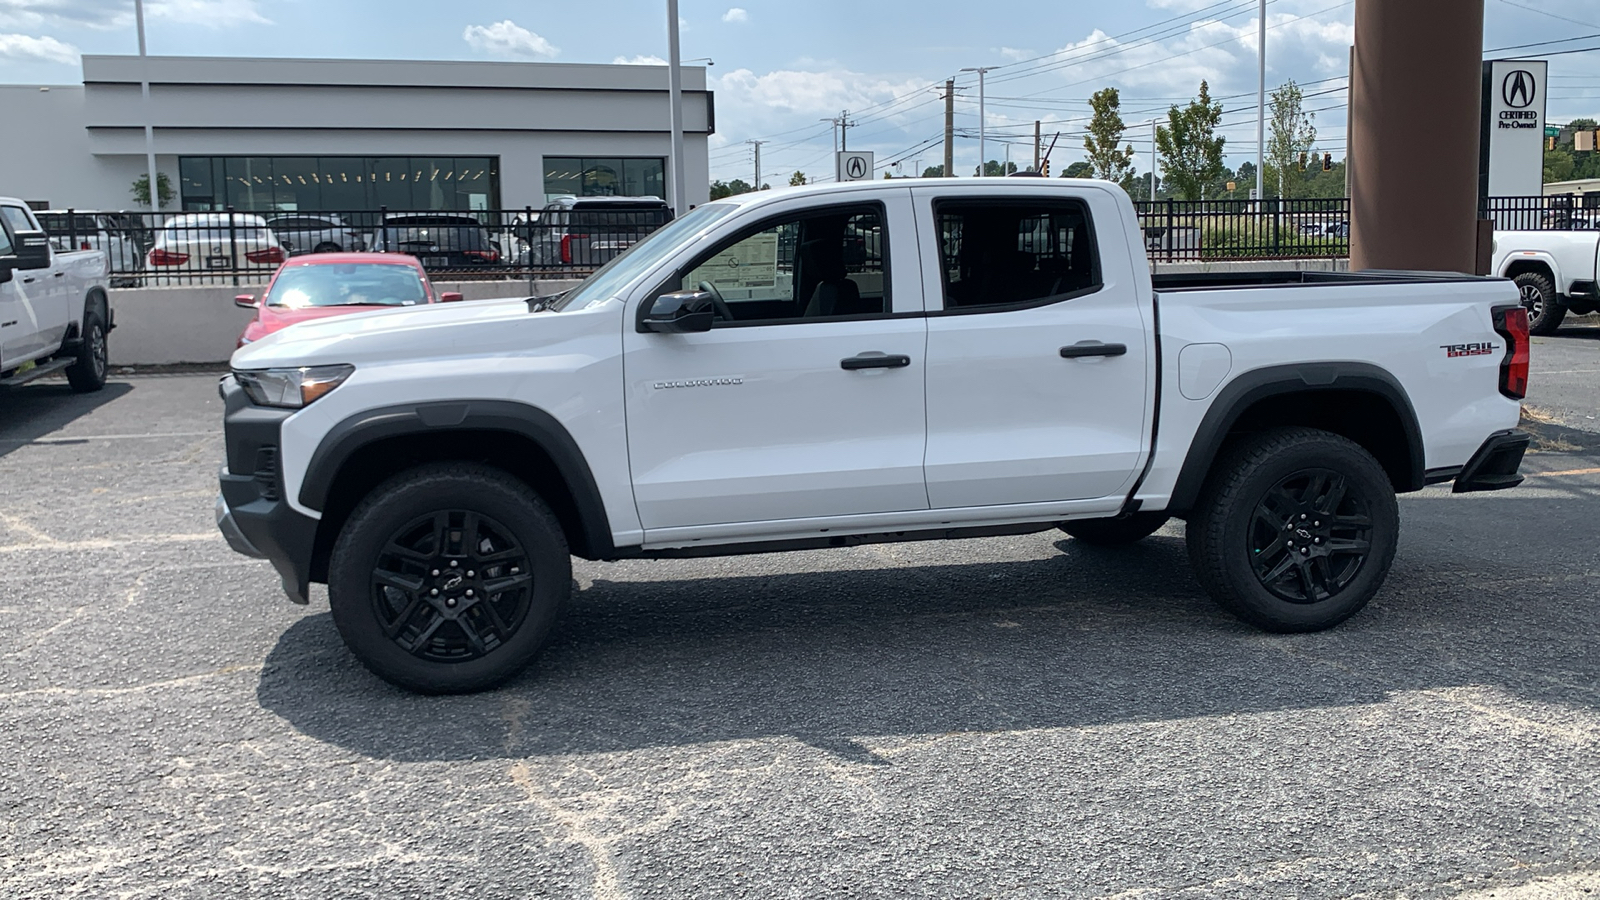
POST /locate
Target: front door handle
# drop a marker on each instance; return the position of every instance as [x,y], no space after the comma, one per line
[60,275]
[1093,348]
[877,361]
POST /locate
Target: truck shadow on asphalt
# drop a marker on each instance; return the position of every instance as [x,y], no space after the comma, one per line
[33,411]
[1090,637]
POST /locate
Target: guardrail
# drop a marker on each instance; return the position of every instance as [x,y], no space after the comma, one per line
[236,247]
[1221,230]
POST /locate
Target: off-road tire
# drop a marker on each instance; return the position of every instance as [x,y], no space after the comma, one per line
[88,374]
[1231,520]
[507,509]
[1538,295]
[1115,532]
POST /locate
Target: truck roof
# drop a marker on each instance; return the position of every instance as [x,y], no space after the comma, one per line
[951,185]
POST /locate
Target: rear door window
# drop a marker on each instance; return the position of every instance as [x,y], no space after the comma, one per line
[1004,253]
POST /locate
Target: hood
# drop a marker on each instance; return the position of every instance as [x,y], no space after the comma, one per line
[435,329]
[270,319]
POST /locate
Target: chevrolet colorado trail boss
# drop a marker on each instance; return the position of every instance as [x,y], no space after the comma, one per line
[55,310]
[1555,272]
[840,364]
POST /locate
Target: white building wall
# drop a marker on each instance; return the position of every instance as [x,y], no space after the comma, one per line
[85,145]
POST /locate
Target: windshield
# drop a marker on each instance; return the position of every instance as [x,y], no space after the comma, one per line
[609,278]
[347,284]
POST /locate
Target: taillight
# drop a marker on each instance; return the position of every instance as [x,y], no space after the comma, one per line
[270,255]
[1511,322]
[566,245]
[487,256]
[160,257]
[85,246]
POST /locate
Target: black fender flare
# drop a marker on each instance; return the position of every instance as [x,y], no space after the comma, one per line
[342,441]
[1258,384]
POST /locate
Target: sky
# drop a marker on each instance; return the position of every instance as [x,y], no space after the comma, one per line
[780,68]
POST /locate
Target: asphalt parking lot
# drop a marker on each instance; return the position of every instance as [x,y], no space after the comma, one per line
[1017,717]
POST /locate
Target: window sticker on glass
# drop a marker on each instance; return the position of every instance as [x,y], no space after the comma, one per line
[748,269]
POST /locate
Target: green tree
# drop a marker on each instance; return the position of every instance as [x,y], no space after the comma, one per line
[1079,169]
[141,189]
[1558,166]
[797,179]
[994,168]
[720,189]
[933,172]
[1190,148]
[1109,160]
[1290,132]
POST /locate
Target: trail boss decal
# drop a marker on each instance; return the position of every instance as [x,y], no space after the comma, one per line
[1479,349]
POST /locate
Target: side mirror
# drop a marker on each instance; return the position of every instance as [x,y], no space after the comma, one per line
[451,297]
[245,301]
[684,312]
[33,250]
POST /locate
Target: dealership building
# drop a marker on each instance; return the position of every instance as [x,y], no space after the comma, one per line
[330,135]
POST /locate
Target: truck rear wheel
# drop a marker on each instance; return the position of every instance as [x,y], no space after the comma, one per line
[1115,532]
[1545,310]
[448,577]
[88,374]
[1295,530]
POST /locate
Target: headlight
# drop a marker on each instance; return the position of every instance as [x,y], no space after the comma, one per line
[291,388]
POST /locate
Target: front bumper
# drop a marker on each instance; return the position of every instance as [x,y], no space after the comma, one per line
[251,511]
[1494,466]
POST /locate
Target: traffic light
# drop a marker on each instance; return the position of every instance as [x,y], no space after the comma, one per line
[1044,167]
[1302,162]
[1327,162]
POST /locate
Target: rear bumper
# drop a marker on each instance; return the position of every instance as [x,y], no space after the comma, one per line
[1494,466]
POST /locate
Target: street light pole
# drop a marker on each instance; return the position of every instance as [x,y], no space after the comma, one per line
[981,70]
[144,99]
[680,204]
[1261,105]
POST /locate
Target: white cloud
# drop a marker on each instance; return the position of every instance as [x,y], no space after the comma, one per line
[638,61]
[507,38]
[1014,53]
[107,15]
[735,15]
[22,47]
[792,92]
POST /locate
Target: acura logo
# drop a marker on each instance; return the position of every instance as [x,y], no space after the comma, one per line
[856,167]
[1517,90]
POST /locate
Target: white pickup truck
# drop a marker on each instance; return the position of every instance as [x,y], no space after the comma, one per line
[55,311]
[1555,272]
[840,364]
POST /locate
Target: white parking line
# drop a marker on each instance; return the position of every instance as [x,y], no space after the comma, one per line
[76,439]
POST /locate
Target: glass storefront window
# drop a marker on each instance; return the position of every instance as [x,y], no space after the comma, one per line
[605,176]
[339,183]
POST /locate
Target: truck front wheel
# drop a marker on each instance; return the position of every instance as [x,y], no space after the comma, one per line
[447,578]
[88,373]
[1295,530]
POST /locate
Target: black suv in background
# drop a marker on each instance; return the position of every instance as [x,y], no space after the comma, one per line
[439,240]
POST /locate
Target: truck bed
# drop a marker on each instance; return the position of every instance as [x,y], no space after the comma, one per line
[1197,281]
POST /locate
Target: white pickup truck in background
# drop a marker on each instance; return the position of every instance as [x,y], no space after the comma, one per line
[55,311]
[842,364]
[1556,272]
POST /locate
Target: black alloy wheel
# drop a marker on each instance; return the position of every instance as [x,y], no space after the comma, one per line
[452,586]
[88,373]
[1310,535]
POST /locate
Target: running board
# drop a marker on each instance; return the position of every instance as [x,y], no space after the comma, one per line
[35,373]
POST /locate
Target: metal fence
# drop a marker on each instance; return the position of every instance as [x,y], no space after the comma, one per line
[1562,212]
[231,247]
[1217,230]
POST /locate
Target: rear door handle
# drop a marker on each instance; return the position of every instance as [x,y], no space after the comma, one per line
[875,361]
[60,275]
[1093,348]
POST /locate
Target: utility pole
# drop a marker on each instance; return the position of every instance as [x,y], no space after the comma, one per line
[1153,159]
[844,125]
[949,127]
[680,201]
[757,145]
[982,154]
[149,126]
[1261,106]
[1036,142]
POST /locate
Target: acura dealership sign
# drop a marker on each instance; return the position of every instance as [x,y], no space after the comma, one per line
[1512,147]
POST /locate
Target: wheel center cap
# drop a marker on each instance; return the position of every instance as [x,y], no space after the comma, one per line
[452,580]
[1303,534]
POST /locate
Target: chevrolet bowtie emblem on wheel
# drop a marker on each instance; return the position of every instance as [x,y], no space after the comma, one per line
[1517,90]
